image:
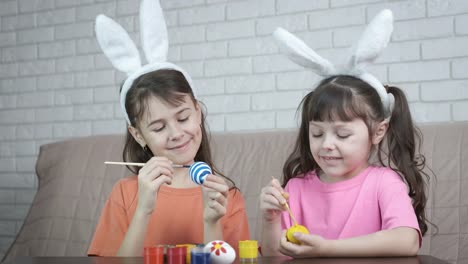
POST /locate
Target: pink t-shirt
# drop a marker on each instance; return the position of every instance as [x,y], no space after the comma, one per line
[376,199]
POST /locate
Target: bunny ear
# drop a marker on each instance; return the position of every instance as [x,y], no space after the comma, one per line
[153,31]
[117,45]
[301,54]
[374,39]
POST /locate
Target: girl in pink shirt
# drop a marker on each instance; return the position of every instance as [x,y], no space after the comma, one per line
[352,208]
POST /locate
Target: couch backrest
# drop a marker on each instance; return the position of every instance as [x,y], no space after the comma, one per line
[74,184]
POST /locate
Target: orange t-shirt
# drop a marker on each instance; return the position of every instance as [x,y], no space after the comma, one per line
[176,219]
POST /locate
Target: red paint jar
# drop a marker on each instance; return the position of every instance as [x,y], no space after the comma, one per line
[176,255]
[153,255]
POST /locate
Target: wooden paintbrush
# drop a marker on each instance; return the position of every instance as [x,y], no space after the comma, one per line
[141,164]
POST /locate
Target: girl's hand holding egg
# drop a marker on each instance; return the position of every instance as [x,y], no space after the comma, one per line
[215,191]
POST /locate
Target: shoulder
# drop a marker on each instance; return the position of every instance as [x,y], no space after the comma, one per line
[124,191]
[384,175]
[387,181]
[301,179]
[235,195]
[236,200]
[126,184]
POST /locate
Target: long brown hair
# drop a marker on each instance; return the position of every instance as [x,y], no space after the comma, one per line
[346,98]
[170,86]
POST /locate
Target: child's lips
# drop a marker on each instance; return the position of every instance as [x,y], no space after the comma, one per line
[330,158]
[181,146]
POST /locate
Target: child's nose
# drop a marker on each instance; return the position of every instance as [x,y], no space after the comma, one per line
[328,142]
[176,132]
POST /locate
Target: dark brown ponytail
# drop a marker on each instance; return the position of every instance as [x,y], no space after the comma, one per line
[403,141]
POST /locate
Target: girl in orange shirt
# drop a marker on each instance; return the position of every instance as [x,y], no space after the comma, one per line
[166,126]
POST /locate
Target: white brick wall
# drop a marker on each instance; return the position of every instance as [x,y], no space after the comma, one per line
[55,83]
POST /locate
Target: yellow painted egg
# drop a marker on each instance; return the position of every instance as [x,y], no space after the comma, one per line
[295,229]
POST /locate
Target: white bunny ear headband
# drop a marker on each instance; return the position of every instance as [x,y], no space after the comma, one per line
[123,53]
[374,39]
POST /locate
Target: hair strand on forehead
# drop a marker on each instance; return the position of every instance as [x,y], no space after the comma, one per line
[343,98]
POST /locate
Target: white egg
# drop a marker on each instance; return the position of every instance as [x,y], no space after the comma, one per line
[221,252]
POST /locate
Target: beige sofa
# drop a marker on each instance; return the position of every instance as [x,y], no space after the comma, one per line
[74,183]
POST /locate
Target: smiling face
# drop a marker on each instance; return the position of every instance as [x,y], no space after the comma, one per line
[172,131]
[341,149]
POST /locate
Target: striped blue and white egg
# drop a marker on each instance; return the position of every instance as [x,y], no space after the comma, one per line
[198,172]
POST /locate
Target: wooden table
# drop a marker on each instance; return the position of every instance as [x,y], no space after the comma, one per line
[263,260]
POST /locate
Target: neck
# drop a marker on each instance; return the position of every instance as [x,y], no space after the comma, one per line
[329,179]
[181,179]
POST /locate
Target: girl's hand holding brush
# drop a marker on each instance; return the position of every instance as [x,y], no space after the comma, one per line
[156,172]
[272,201]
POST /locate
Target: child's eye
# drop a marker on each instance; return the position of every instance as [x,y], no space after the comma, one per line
[343,136]
[317,135]
[183,119]
[159,129]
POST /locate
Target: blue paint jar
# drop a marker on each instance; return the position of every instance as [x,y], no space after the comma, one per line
[199,255]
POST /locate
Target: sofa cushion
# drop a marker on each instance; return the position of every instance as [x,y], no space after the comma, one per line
[73,185]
